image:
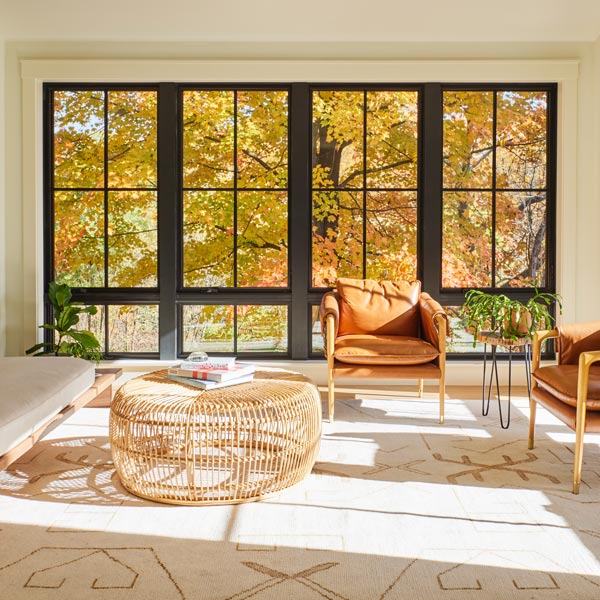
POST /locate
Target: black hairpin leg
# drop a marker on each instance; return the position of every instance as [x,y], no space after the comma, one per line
[485,407]
[509,390]
[486,395]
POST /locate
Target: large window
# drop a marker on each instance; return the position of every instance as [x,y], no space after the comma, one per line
[215,216]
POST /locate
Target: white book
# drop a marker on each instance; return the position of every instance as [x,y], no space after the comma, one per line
[213,373]
[210,385]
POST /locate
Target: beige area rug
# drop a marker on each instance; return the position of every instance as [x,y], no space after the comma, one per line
[397,507]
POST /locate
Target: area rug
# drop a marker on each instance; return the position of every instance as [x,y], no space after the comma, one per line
[396,507]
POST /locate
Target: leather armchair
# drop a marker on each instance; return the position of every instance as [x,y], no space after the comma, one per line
[570,390]
[383,329]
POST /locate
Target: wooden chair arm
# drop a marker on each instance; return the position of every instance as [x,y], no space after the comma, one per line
[538,338]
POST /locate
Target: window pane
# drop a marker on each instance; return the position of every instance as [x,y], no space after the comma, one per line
[208,138]
[521,139]
[262,328]
[78,139]
[94,323]
[520,239]
[133,328]
[392,235]
[338,130]
[208,239]
[337,246]
[79,238]
[467,239]
[132,150]
[392,138]
[262,139]
[316,338]
[208,329]
[262,239]
[132,240]
[468,139]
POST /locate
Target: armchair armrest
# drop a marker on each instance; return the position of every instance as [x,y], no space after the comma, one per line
[329,315]
[538,338]
[586,360]
[434,321]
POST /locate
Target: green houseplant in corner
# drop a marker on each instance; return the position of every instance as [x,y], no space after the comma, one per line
[68,340]
[506,317]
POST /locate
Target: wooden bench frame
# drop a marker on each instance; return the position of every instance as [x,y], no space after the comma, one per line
[98,394]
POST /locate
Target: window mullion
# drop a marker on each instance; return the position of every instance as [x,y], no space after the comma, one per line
[168,225]
[299,222]
[430,199]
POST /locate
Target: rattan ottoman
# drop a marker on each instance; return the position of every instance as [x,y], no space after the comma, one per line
[177,444]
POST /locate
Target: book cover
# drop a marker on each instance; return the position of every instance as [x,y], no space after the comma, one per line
[213,373]
[210,385]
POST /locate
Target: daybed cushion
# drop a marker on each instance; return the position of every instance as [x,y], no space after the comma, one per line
[32,390]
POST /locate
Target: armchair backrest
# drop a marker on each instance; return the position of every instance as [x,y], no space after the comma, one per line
[379,307]
[575,339]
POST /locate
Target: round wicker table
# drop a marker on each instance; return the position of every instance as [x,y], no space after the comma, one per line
[178,444]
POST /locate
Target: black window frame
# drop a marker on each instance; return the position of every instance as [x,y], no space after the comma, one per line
[299,296]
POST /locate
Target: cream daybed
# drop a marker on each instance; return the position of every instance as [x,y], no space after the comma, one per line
[35,393]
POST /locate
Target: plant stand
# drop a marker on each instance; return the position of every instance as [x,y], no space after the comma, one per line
[495,341]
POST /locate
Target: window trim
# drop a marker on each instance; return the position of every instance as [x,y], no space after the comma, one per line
[35,72]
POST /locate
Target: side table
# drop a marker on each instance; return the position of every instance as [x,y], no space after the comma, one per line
[495,341]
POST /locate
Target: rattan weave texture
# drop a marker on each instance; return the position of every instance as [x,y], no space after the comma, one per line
[177,444]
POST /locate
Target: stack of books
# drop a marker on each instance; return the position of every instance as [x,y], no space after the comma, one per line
[215,372]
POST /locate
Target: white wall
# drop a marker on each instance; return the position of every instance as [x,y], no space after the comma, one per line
[2,204]
[582,205]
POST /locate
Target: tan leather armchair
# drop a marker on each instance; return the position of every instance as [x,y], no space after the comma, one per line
[383,329]
[570,390]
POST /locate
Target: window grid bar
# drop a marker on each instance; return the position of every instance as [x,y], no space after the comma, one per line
[495,143]
[231,189]
[106,189]
[235,198]
[101,188]
[364,191]
[490,189]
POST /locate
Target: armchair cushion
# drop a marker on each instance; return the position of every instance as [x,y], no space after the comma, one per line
[383,350]
[561,382]
[577,338]
[378,307]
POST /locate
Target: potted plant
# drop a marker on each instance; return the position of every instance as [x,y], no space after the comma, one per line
[68,340]
[506,317]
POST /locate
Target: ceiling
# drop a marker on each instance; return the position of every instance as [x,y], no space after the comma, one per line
[302,20]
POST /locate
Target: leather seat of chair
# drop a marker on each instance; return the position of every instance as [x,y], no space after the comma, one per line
[383,350]
[561,382]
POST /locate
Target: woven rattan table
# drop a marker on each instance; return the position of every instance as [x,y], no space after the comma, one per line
[178,444]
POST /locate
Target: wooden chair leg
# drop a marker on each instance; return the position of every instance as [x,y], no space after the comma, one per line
[578,462]
[442,398]
[421,381]
[331,394]
[532,407]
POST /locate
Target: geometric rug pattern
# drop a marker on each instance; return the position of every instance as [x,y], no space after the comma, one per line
[397,506]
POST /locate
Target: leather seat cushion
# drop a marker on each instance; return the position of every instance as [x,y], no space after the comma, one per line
[383,350]
[561,382]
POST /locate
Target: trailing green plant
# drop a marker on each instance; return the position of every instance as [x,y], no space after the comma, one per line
[506,317]
[68,340]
